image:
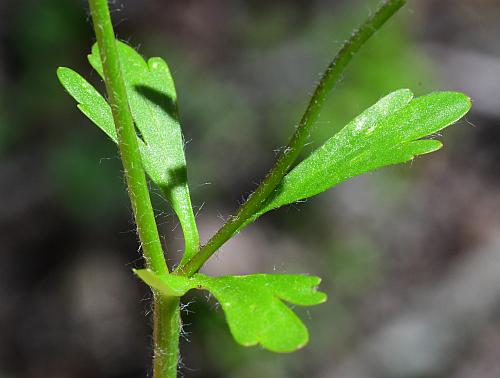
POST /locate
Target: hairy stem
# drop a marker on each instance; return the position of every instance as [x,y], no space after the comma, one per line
[166,330]
[330,77]
[127,138]
[166,312]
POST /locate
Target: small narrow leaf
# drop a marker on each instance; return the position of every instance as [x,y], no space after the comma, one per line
[153,102]
[387,133]
[90,101]
[253,304]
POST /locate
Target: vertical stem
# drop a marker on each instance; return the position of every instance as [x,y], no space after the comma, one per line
[166,330]
[166,310]
[127,138]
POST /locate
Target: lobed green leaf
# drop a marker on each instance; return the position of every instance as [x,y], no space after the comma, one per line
[387,133]
[253,304]
[153,102]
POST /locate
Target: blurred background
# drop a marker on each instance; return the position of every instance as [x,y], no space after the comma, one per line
[409,255]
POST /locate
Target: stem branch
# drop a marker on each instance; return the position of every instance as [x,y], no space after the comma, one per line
[330,77]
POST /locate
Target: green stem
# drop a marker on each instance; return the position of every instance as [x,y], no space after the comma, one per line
[166,330]
[166,312]
[127,138]
[330,77]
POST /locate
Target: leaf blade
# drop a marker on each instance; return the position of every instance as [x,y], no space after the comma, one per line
[253,304]
[153,102]
[386,136]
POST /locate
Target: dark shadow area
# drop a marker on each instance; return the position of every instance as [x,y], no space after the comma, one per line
[177,177]
[166,102]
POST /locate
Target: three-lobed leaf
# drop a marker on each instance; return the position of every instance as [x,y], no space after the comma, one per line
[389,132]
[253,304]
[153,103]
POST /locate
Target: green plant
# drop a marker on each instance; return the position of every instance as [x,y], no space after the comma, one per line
[141,116]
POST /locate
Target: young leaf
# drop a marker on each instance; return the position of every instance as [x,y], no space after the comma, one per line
[253,304]
[388,132]
[153,102]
